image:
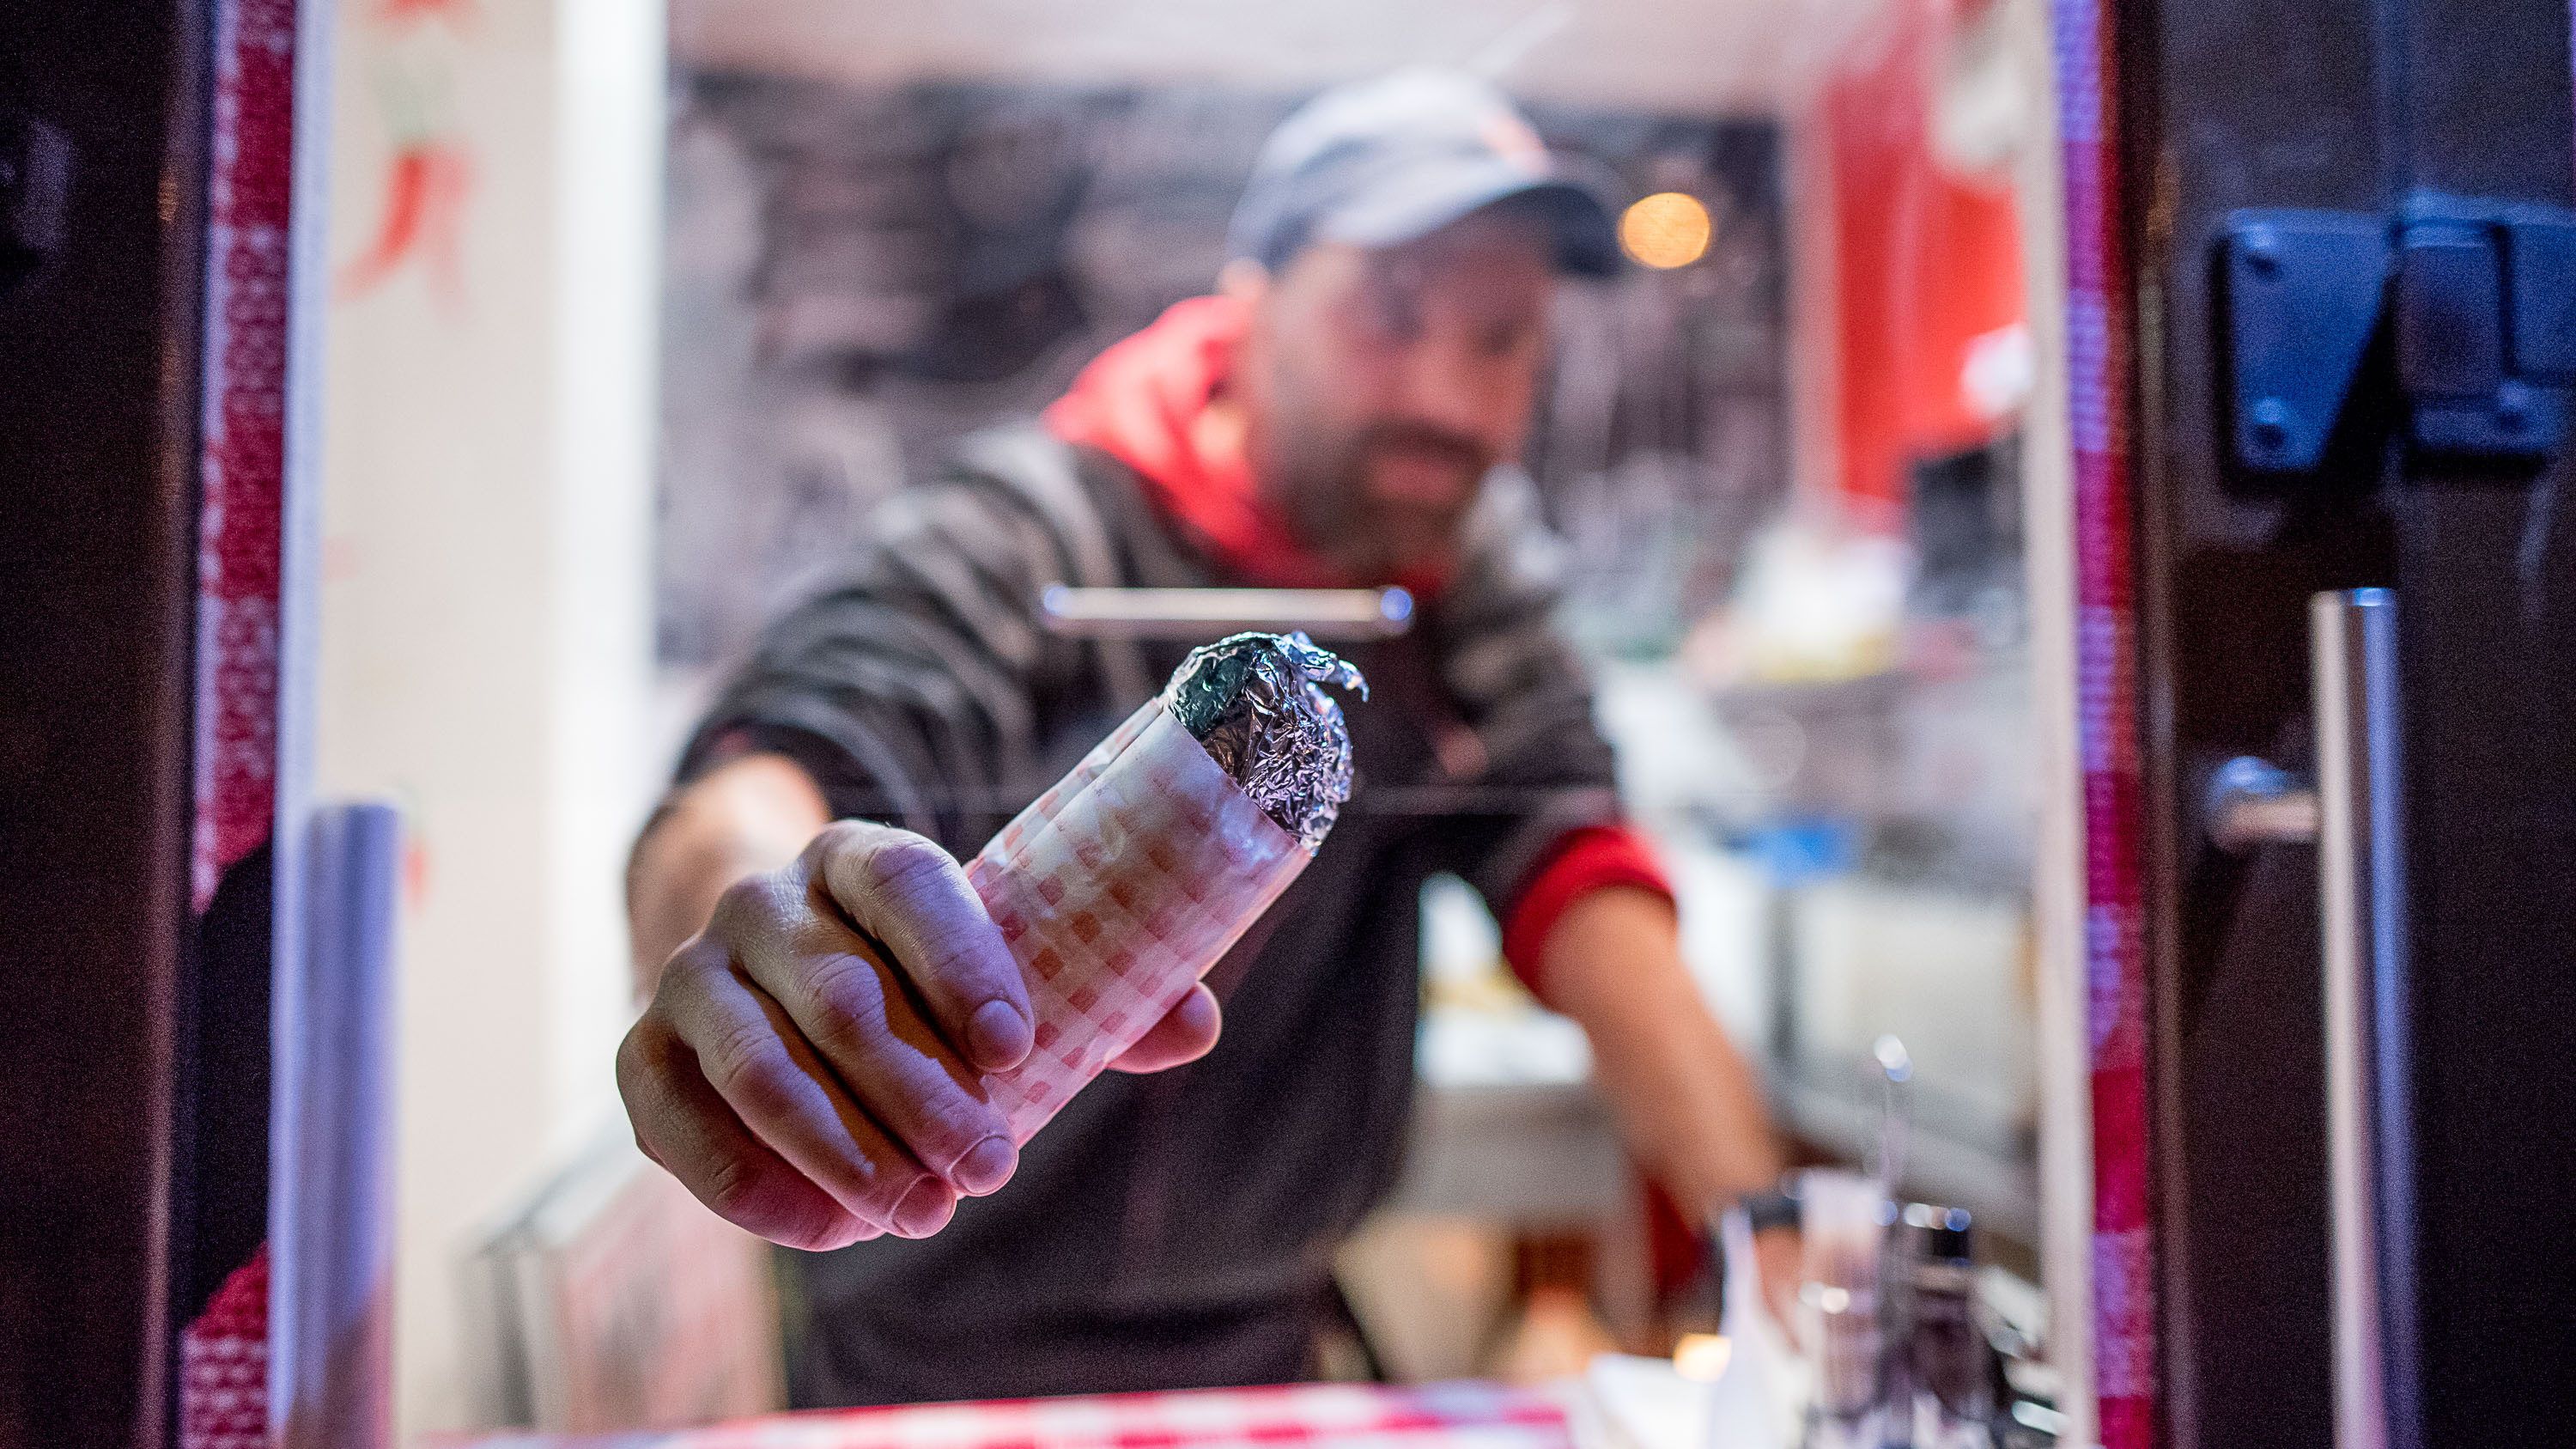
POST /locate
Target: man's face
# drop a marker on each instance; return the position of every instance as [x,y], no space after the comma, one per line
[1380,386]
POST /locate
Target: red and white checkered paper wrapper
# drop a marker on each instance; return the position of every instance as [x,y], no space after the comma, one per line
[1344,1416]
[1117,889]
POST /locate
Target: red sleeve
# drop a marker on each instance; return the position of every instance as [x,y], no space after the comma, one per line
[1580,861]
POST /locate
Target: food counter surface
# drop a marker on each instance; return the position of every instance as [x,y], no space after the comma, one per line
[1344,1416]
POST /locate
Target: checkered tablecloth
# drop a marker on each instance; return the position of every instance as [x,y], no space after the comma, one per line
[1343,1416]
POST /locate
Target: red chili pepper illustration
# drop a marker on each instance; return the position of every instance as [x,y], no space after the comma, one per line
[399,12]
[424,205]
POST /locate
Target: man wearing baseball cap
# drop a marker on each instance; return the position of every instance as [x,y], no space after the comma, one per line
[1345,411]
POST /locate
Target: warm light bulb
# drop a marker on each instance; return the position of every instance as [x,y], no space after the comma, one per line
[1666,230]
[1702,1357]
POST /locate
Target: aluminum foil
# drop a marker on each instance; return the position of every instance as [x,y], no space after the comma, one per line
[1257,702]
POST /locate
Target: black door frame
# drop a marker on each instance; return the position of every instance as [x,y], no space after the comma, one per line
[98,444]
[2349,106]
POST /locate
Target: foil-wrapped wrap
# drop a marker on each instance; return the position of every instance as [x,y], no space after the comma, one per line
[1120,885]
[1257,702]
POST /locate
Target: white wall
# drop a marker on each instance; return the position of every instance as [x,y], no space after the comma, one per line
[2048,503]
[1693,56]
[486,598]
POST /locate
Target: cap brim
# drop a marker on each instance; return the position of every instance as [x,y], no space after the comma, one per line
[1408,209]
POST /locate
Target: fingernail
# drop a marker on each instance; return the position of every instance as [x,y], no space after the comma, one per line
[997,1035]
[924,1210]
[986,1166]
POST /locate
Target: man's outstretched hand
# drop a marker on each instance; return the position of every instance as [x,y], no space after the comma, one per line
[810,1064]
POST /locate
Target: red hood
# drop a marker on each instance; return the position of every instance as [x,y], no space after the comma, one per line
[1137,403]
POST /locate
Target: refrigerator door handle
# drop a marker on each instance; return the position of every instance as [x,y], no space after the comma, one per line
[1198,615]
[2254,802]
[2361,865]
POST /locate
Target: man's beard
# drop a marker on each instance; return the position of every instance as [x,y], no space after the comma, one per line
[1356,508]
[1460,458]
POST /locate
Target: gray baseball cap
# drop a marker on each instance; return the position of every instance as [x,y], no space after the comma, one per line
[1382,162]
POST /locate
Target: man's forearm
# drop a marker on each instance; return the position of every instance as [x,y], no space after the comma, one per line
[1688,1103]
[745,816]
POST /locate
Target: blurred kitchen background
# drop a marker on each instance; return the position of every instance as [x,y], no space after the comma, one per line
[1824,691]
[700,296]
